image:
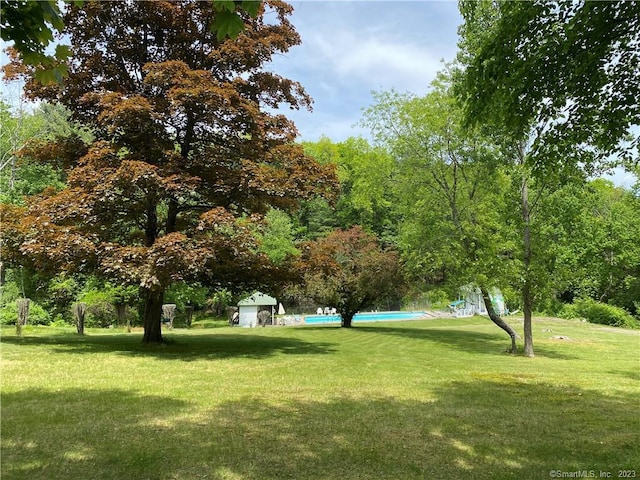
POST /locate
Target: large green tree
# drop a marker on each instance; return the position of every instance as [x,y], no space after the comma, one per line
[603,244]
[455,226]
[187,152]
[557,80]
[366,178]
[21,129]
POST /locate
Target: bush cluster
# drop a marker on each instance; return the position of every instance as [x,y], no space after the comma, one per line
[601,313]
[37,314]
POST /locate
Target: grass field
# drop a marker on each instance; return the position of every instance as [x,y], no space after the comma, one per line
[432,399]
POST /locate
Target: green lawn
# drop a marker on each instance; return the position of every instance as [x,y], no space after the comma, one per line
[434,399]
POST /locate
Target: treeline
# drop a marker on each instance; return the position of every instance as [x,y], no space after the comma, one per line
[443,200]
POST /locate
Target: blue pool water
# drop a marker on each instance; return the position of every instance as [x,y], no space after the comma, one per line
[366,317]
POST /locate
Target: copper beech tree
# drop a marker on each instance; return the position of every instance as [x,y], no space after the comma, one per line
[189,152]
[350,271]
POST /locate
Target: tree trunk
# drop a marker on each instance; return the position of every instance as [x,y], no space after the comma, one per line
[23,314]
[152,320]
[188,310]
[347,318]
[121,310]
[346,321]
[172,216]
[495,318]
[527,300]
[79,311]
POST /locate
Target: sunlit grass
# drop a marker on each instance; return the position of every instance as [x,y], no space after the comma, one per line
[425,399]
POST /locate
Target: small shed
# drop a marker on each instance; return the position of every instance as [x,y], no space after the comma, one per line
[249,307]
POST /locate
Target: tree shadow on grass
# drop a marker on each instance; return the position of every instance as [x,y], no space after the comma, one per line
[479,429]
[190,347]
[76,433]
[632,374]
[465,340]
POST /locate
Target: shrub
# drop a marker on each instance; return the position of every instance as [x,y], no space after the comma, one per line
[600,313]
[219,301]
[60,294]
[100,310]
[37,314]
[436,299]
[100,314]
[568,311]
[183,294]
[9,293]
[59,321]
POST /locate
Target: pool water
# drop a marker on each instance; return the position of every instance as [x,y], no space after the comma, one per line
[366,317]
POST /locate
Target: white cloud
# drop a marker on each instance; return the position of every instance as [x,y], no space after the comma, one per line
[374,61]
[621,177]
[351,48]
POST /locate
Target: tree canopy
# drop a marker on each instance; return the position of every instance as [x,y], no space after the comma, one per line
[566,70]
[33,26]
[451,189]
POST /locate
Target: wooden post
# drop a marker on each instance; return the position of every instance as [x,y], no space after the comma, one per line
[23,314]
[79,310]
[169,312]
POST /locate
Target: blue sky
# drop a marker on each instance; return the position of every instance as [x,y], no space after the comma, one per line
[353,47]
[350,48]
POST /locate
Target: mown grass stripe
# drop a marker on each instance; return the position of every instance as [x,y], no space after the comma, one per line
[425,399]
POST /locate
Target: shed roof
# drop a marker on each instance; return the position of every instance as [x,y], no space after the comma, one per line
[257,298]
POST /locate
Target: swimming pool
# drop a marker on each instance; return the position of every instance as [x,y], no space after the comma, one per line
[366,317]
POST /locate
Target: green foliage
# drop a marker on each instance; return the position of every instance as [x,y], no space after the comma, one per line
[20,175]
[183,294]
[564,69]
[228,21]
[433,299]
[37,314]
[597,226]
[9,293]
[568,311]
[601,313]
[108,303]
[316,218]
[122,294]
[28,179]
[438,298]
[366,178]
[277,240]
[31,27]
[62,291]
[101,311]
[58,123]
[59,322]
[450,193]
[219,302]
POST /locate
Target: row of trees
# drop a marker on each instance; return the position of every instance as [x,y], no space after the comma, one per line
[174,169]
[585,238]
